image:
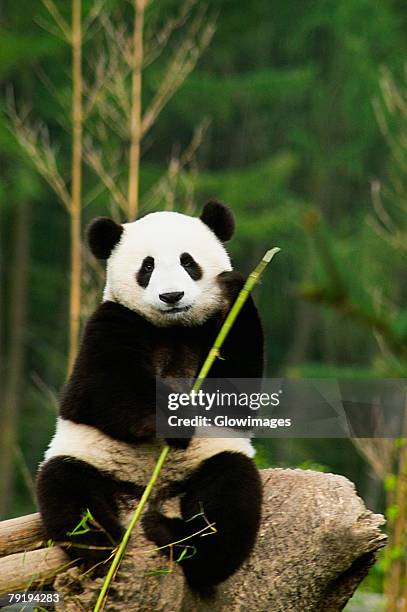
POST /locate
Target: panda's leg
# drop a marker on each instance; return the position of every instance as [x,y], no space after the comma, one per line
[66,489]
[225,492]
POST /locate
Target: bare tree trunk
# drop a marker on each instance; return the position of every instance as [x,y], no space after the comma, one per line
[135,119]
[75,208]
[15,365]
[316,543]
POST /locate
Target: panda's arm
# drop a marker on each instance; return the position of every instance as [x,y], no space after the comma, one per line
[243,350]
[112,386]
[241,355]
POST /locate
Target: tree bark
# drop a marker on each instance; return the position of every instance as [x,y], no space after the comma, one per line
[21,534]
[316,543]
[135,117]
[76,189]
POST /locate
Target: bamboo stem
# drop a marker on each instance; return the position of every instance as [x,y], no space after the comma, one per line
[135,116]
[252,279]
[123,544]
[75,208]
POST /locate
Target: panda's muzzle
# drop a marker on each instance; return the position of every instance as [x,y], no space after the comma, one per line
[171,298]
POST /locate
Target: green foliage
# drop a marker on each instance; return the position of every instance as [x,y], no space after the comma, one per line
[293,145]
[312,465]
[83,526]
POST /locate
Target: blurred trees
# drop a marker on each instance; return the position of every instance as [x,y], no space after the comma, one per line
[391,225]
[105,108]
[106,103]
[381,309]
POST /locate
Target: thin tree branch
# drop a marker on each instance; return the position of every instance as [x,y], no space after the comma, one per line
[35,142]
[93,15]
[94,159]
[166,186]
[58,18]
[156,42]
[180,66]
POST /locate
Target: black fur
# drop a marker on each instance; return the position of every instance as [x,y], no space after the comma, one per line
[191,266]
[103,234]
[66,489]
[145,272]
[225,491]
[242,351]
[219,219]
[113,388]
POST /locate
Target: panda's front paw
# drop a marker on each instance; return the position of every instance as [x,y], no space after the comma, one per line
[162,394]
[231,282]
[180,443]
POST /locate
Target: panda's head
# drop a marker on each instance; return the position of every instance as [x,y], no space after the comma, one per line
[165,265]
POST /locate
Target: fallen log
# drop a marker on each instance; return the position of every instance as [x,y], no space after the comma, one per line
[25,559]
[317,542]
[32,569]
[21,534]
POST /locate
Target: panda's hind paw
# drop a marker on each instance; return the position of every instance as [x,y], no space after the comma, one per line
[150,519]
[160,529]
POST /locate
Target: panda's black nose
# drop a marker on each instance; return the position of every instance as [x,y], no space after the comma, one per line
[171,298]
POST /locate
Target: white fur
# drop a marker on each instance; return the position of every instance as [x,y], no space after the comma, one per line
[135,463]
[165,236]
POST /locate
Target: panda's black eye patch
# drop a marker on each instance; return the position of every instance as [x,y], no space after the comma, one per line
[191,266]
[145,272]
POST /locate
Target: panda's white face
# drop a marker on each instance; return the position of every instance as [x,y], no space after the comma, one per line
[165,266]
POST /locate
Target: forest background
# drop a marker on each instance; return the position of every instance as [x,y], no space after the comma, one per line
[294,113]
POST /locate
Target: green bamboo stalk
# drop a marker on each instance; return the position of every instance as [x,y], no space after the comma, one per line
[252,279]
[244,293]
[134,519]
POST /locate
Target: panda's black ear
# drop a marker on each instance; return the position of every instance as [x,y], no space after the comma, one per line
[219,219]
[103,234]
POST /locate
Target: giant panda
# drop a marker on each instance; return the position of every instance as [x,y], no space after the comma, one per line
[169,285]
